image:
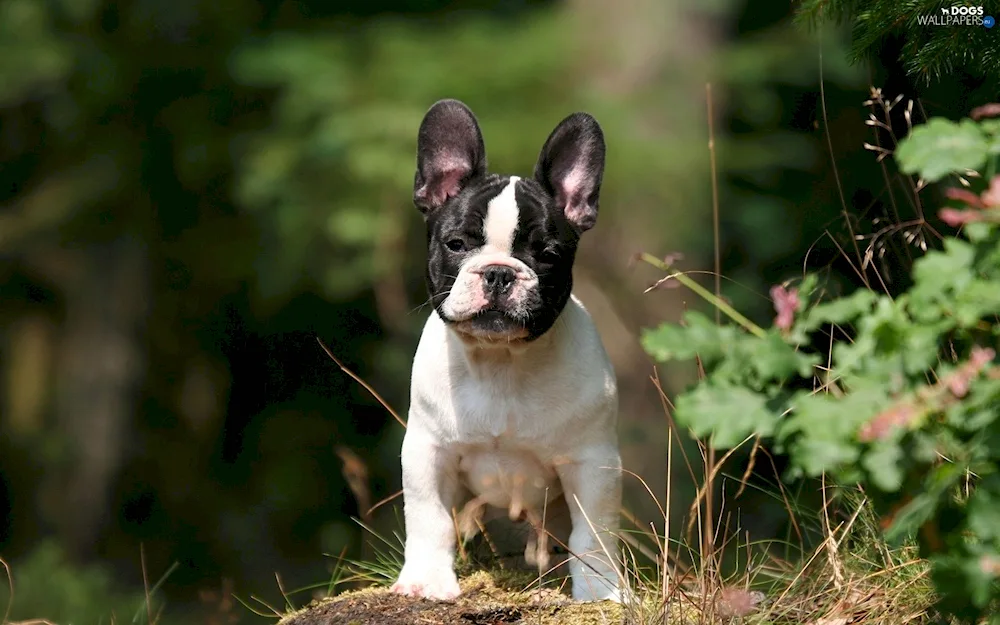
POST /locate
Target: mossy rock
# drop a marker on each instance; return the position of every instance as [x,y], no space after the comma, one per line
[486,599]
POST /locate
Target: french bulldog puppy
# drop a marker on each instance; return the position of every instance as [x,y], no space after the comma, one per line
[514,401]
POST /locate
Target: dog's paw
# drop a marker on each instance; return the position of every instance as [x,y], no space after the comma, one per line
[597,591]
[439,585]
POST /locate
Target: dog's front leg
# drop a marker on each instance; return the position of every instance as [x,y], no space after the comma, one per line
[430,491]
[592,483]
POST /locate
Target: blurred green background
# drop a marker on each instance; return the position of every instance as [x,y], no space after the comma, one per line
[192,191]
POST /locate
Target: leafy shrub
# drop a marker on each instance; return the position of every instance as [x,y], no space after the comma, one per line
[900,395]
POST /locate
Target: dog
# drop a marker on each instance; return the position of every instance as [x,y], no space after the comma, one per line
[513,398]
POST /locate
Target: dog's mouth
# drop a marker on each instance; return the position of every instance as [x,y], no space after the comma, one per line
[493,324]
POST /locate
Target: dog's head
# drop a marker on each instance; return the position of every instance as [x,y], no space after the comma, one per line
[501,248]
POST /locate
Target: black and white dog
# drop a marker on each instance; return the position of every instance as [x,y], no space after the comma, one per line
[513,400]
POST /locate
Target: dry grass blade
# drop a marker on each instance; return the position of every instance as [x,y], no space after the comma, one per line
[830,542]
[10,585]
[281,589]
[709,555]
[384,501]
[360,381]
[751,463]
[703,491]
[633,543]
[145,584]
[671,424]
[10,603]
[267,605]
[833,164]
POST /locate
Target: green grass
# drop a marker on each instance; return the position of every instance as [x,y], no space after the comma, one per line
[850,575]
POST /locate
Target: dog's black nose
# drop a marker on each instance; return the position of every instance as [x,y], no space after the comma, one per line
[498,278]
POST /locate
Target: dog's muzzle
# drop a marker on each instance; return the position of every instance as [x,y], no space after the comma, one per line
[498,280]
[492,297]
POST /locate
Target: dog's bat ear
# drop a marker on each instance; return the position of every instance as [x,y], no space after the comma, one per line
[450,153]
[570,168]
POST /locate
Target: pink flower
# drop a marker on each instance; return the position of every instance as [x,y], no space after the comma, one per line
[990,565]
[958,385]
[989,199]
[979,357]
[964,195]
[958,382]
[786,303]
[986,110]
[954,217]
[885,422]
[991,196]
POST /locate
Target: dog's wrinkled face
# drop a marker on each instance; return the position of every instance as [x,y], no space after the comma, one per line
[500,260]
[501,248]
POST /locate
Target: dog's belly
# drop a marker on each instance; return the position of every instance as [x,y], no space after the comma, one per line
[513,479]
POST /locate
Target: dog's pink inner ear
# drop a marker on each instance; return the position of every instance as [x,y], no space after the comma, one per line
[450,153]
[442,180]
[570,167]
[573,194]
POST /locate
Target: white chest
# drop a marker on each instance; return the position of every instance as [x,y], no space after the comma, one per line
[511,419]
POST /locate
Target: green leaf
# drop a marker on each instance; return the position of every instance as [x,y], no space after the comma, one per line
[984,509]
[991,127]
[808,286]
[937,276]
[946,283]
[821,429]
[879,332]
[729,413]
[699,336]
[978,231]
[941,147]
[979,409]
[883,463]
[978,299]
[919,350]
[839,311]
[772,357]
[938,270]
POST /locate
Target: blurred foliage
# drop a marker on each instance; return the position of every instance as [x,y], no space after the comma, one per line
[906,404]
[775,167]
[928,51]
[333,177]
[48,586]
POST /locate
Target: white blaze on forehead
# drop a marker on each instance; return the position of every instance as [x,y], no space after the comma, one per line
[501,219]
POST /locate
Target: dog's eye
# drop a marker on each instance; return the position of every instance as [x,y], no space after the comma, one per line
[549,255]
[456,245]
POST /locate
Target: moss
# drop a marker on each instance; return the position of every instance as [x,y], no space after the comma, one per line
[486,599]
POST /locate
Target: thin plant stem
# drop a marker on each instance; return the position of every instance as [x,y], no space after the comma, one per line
[705,294]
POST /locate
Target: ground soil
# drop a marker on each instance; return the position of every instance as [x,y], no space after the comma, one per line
[485,600]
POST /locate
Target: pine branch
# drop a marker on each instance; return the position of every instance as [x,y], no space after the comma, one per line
[928,52]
